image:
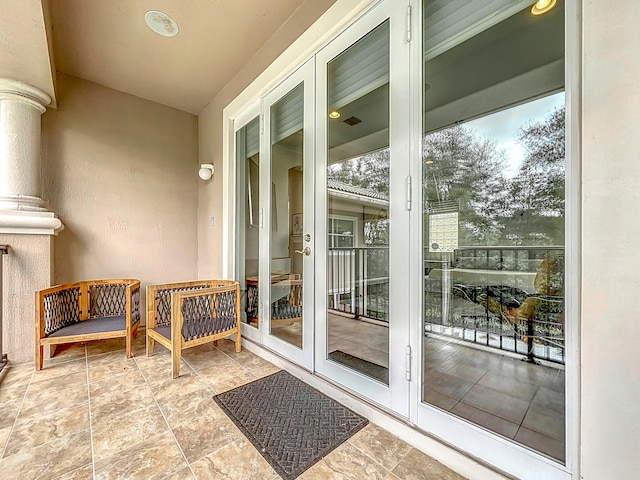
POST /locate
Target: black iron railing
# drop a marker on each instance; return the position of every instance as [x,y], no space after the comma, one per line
[482,295]
[494,296]
[4,249]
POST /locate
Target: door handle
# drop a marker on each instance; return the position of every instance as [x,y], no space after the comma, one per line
[305,251]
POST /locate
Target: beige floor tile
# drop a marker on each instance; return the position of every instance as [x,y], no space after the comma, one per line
[53,372]
[29,432]
[265,371]
[110,405]
[238,460]
[49,460]
[133,428]
[345,463]
[381,445]
[167,387]
[13,375]
[154,459]
[110,366]
[205,436]
[41,401]
[59,375]
[10,402]
[224,386]
[82,473]
[4,436]
[222,373]
[418,466]
[186,409]
[130,379]
[184,474]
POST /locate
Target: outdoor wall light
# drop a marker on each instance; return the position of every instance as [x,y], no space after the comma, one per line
[206,171]
[543,6]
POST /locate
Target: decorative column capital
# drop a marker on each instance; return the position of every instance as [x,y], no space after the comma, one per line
[16,90]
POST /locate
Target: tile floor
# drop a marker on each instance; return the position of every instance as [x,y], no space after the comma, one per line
[515,399]
[93,414]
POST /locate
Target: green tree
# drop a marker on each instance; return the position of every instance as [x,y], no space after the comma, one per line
[463,170]
[533,213]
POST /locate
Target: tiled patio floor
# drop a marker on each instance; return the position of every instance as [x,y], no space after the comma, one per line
[93,414]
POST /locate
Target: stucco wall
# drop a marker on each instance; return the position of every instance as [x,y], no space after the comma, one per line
[610,232]
[210,194]
[26,268]
[121,173]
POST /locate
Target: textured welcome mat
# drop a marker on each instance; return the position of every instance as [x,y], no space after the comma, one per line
[291,424]
[363,366]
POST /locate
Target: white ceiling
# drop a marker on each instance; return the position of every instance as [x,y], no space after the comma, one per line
[108,42]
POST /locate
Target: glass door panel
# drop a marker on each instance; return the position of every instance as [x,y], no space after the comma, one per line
[287,278]
[493,173]
[247,219]
[362,141]
[358,206]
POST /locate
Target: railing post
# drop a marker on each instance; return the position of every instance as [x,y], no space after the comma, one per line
[4,249]
[530,333]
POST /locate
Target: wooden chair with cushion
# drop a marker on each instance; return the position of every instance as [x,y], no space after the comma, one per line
[187,314]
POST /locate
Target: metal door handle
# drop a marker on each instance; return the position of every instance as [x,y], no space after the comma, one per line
[305,251]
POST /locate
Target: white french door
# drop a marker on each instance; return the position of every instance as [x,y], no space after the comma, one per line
[362,213]
[287,251]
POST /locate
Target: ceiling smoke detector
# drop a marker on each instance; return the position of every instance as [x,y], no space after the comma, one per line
[161,23]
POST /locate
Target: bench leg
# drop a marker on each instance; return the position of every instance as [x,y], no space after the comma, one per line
[150,343]
[238,346]
[127,342]
[175,362]
[39,355]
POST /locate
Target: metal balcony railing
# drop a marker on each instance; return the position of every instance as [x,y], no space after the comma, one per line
[4,249]
[358,281]
[473,295]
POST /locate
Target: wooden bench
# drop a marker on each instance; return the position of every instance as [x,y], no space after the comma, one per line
[84,311]
[187,314]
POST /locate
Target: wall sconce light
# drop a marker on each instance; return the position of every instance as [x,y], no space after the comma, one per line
[206,171]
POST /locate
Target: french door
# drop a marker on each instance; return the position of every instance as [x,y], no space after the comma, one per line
[286,278]
[362,214]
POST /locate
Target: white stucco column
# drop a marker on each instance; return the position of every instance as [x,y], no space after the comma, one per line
[22,209]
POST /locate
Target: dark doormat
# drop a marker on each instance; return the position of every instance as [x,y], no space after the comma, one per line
[363,366]
[292,424]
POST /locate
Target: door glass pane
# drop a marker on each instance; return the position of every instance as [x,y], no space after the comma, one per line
[248,208]
[358,206]
[493,177]
[286,217]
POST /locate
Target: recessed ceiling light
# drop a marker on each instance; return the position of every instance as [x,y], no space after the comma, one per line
[334,114]
[161,23]
[543,6]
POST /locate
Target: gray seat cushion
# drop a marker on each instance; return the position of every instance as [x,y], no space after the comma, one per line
[95,325]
